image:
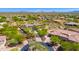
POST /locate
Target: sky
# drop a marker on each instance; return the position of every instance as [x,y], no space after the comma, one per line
[38,9]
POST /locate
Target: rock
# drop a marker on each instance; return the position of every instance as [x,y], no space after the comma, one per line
[48,45]
[1,27]
[47,39]
[56,47]
[25,48]
[38,39]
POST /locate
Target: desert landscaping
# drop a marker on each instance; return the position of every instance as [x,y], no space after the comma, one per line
[39,31]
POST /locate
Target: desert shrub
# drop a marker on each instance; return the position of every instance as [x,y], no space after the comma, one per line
[42,32]
[30,35]
[55,39]
[14,49]
[12,42]
[37,27]
[13,35]
[17,39]
[67,45]
[10,31]
[2,18]
[16,18]
[27,30]
[30,21]
[35,46]
[70,46]
[31,17]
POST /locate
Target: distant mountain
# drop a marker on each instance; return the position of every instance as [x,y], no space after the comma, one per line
[75,11]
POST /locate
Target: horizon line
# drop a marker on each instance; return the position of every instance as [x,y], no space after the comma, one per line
[39,9]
